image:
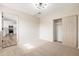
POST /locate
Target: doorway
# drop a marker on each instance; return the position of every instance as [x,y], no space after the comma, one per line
[58,30]
[9,31]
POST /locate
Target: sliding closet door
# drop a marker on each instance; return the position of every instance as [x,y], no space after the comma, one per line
[70,31]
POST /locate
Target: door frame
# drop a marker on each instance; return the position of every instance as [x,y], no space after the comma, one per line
[54,29]
[17,26]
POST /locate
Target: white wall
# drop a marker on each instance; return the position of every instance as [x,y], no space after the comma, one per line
[46,25]
[28,26]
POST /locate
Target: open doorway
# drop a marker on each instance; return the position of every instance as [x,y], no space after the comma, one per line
[58,30]
[9,31]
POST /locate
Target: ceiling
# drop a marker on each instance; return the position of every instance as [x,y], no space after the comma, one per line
[51,8]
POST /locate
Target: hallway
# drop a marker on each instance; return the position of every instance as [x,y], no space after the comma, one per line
[9,40]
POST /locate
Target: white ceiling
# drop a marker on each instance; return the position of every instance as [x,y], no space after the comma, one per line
[52,8]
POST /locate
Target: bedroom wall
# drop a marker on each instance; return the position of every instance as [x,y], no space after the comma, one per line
[28,25]
[46,25]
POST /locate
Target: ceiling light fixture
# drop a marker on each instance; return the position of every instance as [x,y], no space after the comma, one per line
[40,5]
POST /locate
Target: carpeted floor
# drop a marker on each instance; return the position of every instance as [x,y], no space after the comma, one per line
[45,49]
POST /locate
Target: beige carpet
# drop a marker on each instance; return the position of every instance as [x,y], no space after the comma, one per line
[54,49]
[46,49]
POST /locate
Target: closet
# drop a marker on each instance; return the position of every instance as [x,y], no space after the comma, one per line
[58,30]
[66,31]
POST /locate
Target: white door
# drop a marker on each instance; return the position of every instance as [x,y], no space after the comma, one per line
[70,31]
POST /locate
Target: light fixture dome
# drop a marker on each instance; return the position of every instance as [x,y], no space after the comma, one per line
[40,5]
